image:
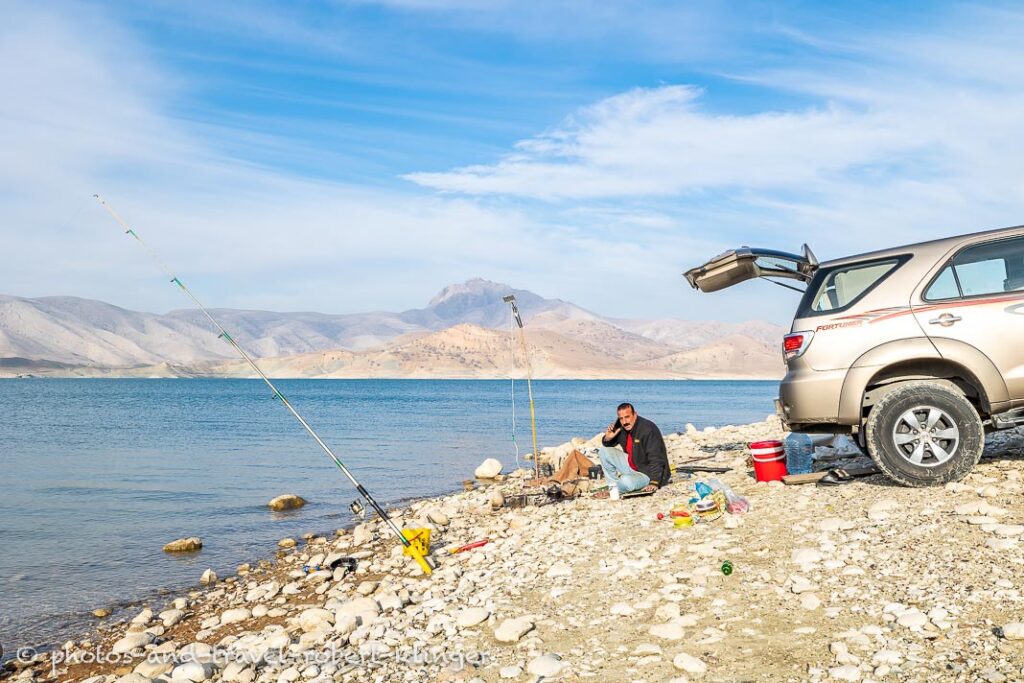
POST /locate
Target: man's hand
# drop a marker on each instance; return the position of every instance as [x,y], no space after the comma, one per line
[650,488]
[611,432]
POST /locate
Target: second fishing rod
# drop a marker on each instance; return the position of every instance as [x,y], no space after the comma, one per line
[411,548]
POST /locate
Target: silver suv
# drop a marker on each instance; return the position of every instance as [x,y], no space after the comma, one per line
[917,350]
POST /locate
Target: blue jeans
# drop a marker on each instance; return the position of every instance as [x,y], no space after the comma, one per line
[618,472]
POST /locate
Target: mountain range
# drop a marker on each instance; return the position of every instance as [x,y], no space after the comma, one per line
[462,332]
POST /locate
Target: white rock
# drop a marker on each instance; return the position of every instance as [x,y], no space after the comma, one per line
[196,652]
[131,641]
[511,672]
[151,667]
[887,657]
[1013,631]
[237,672]
[471,616]
[979,520]
[511,630]
[912,619]
[171,617]
[364,608]
[315,619]
[842,653]
[233,616]
[810,601]
[345,624]
[689,664]
[805,556]
[389,601]
[488,469]
[668,631]
[143,617]
[1008,530]
[438,518]
[546,666]
[621,609]
[208,577]
[845,673]
[190,671]
[979,508]
[1001,543]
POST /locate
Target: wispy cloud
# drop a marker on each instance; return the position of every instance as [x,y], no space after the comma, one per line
[270,171]
[658,142]
[85,112]
[893,138]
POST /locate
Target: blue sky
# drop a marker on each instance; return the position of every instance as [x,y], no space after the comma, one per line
[358,155]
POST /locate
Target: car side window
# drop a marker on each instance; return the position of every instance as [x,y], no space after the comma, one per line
[990,268]
[842,286]
[944,286]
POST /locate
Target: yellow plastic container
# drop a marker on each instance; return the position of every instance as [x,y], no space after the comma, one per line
[419,546]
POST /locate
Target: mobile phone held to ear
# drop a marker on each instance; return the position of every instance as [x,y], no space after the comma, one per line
[618,423]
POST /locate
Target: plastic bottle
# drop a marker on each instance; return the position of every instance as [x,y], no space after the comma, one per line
[799,453]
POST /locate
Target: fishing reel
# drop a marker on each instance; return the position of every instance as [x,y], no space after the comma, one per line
[357,508]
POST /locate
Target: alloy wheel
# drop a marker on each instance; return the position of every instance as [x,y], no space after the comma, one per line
[926,436]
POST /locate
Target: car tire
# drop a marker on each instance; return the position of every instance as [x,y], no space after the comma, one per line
[903,446]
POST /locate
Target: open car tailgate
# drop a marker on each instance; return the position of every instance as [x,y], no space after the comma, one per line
[746,263]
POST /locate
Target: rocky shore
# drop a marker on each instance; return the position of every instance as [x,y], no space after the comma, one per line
[865,581]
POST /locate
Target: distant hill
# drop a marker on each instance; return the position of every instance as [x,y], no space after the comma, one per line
[462,332]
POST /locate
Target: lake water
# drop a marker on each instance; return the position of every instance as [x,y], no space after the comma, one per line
[97,475]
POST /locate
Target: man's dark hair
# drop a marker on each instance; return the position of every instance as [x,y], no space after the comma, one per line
[623,406]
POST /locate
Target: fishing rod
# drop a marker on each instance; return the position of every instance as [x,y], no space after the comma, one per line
[512,377]
[415,549]
[511,301]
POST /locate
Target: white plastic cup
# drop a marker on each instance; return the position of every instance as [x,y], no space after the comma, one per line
[613,491]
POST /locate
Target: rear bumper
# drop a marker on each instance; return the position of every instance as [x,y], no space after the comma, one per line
[810,397]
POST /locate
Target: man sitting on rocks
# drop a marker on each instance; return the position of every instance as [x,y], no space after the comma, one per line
[642,462]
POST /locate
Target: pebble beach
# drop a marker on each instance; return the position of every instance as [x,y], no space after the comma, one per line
[861,582]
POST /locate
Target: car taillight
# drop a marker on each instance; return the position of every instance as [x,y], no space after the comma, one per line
[793,345]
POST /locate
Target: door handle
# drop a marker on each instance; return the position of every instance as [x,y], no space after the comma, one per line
[946,320]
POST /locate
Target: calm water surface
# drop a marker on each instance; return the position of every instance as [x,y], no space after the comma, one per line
[97,475]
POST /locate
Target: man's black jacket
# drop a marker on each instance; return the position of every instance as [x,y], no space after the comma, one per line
[649,454]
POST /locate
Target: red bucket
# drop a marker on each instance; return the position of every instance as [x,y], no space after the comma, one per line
[769,460]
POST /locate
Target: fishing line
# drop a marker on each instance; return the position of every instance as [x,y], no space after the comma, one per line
[410,547]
